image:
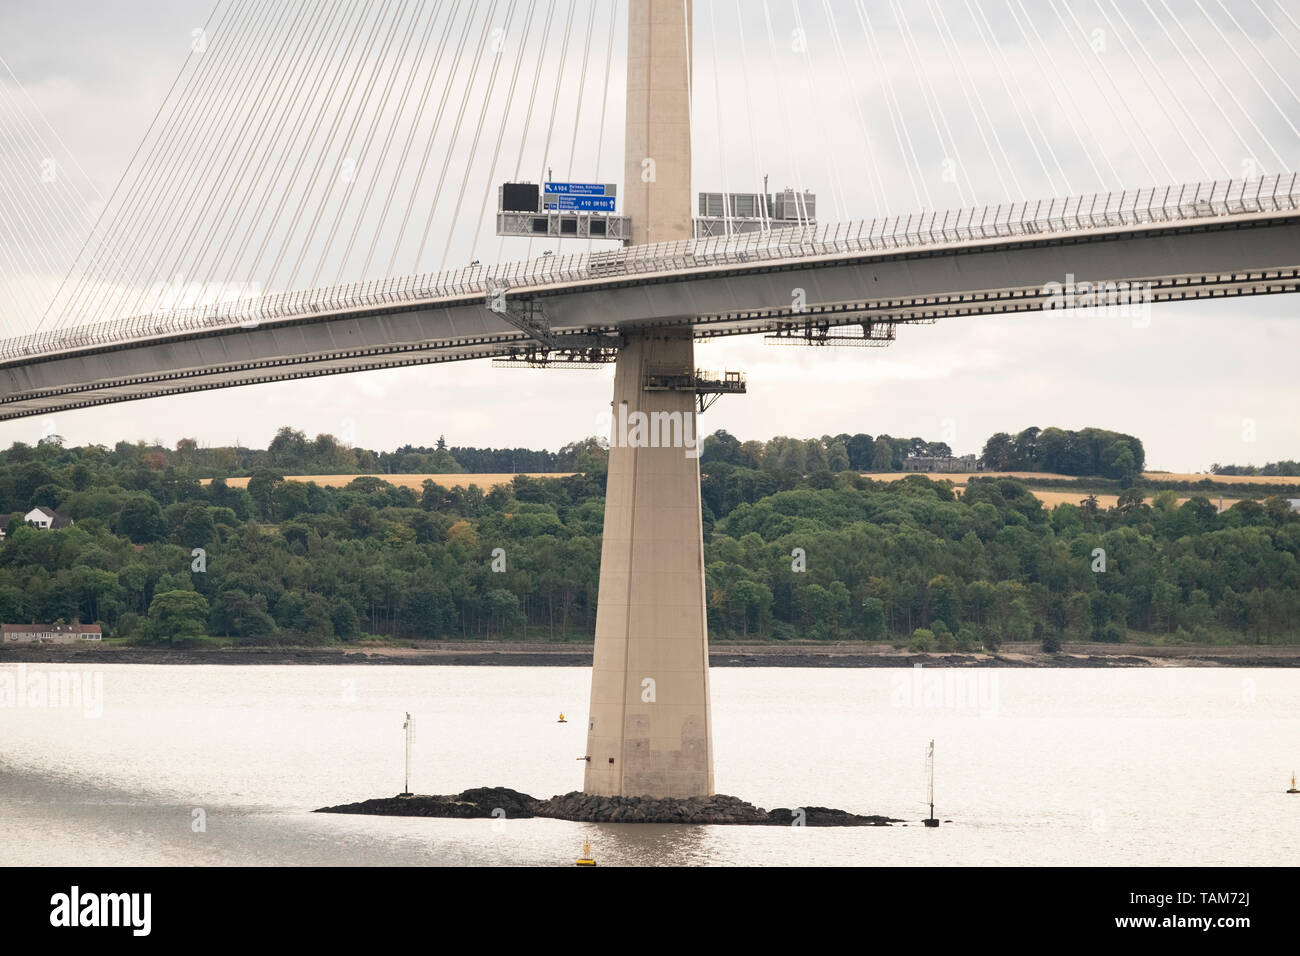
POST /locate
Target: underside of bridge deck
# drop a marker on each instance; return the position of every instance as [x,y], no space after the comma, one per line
[1254,256]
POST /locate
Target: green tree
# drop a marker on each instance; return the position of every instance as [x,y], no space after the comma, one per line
[141,519]
[873,615]
[175,615]
[882,456]
[922,640]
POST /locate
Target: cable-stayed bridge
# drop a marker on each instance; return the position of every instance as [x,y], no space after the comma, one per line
[1207,240]
[316,140]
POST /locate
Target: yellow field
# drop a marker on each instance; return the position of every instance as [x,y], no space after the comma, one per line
[407,481]
[959,477]
[1050,499]
[1226,479]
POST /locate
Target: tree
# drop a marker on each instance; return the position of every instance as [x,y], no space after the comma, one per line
[999,453]
[288,450]
[13,605]
[861,452]
[1129,499]
[792,455]
[299,562]
[237,614]
[1024,450]
[751,606]
[873,619]
[882,456]
[261,488]
[344,618]
[141,520]
[837,458]
[942,593]
[720,446]
[177,615]
[1050,641]
[503,608]
[922,640]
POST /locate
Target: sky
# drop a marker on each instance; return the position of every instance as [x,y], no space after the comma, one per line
[883,109]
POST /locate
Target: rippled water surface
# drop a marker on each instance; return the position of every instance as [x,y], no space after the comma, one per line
[1134,766]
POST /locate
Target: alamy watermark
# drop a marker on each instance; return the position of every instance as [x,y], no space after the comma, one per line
[121,910]
[1125,300]
[176,293]
[40,689]
[974,690]
[654,430]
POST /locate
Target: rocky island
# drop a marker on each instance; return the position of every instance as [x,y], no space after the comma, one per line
[484,802]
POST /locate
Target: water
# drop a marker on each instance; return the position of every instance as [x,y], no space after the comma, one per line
[1156,766]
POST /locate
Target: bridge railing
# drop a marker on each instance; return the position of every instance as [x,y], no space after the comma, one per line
[1189,202]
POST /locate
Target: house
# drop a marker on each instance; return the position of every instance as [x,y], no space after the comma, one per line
[49,633]
[950,463]
[46,518]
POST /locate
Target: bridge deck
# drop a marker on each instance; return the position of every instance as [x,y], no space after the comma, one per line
[1196,241]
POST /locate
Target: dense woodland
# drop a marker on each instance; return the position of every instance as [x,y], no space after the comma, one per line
[291,452]
[906,561]
[1273,468]
[1088,451]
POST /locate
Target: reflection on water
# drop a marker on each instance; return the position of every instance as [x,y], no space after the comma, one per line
[222,765]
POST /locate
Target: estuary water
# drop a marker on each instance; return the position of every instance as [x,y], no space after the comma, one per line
[221,765]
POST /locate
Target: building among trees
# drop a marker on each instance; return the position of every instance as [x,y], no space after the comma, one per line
[46,518]
[945,463]
[50,633]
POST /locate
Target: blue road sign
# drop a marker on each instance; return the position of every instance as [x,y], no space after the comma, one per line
[580,203]
[576,189]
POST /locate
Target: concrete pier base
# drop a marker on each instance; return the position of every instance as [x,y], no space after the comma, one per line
[649,731]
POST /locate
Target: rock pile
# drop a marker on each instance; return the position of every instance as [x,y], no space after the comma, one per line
[481,802]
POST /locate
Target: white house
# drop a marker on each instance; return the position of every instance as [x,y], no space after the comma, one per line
[45,518]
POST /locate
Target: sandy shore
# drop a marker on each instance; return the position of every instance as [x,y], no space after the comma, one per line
[721,655]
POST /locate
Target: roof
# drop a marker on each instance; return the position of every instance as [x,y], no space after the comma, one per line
[56,520]
[46,628]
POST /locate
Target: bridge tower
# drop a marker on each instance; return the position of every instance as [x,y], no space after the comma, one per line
[650,729]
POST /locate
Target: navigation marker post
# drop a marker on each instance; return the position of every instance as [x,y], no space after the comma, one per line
[409,728]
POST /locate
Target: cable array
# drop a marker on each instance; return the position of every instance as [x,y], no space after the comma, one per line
[306,142]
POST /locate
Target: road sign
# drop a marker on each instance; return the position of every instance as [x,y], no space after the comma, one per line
[580,203]
[580,189]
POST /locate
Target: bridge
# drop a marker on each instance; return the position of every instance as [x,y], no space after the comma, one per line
[1194,241]
[642,307]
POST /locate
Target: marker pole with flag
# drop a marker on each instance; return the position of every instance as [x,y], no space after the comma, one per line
[409,727]
[931,820]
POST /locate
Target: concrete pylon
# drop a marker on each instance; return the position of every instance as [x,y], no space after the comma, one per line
[657,145]
[650,729]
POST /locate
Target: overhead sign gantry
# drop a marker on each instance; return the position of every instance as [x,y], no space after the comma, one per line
[562,210]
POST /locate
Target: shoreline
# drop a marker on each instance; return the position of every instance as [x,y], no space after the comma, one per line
[506,654]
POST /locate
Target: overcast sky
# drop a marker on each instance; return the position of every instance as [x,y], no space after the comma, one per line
[923,110]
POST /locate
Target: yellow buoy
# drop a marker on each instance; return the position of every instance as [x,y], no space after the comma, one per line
[585,859]
[1293,786]
[561,720]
